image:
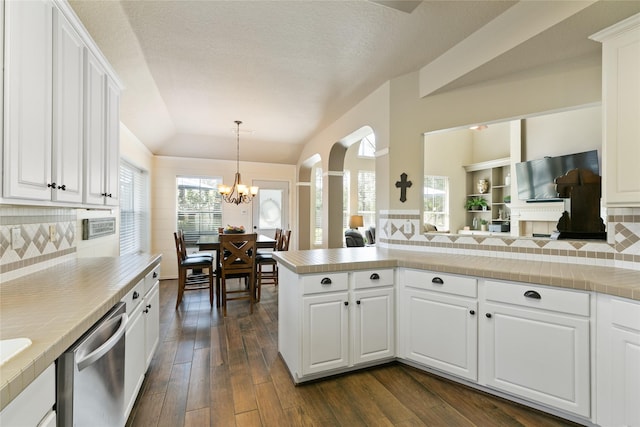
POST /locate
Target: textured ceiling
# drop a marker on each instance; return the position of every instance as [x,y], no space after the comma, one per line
[287,69]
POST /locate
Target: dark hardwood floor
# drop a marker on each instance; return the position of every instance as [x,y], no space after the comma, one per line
[210,370]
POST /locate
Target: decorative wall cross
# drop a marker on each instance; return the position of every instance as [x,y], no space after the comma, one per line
[403,184]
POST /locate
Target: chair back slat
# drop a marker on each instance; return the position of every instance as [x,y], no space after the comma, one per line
[238,253]
[284,241]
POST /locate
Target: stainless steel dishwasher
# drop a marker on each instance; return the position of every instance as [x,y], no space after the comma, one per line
[90,383]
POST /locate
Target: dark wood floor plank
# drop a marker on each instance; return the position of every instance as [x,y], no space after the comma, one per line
[257,366]
[248,419]
[340,405]
[159,371]
[288,393]
[222,408]
[377,394]
[175,401]
[197,418]
[271,412]
[427,406]
[199,383]
[146,411]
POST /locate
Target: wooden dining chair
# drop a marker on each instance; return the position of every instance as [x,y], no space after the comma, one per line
[269,275]
[237,262]
[187,279]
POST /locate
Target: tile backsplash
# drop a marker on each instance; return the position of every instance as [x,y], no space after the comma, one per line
[32,238]
[404,230]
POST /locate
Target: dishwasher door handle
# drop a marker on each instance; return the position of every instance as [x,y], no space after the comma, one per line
[108,344]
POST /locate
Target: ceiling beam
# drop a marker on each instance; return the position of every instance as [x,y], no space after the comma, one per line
[516,25]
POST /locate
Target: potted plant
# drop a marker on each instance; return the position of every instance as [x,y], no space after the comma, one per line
[483,225]
[476,204]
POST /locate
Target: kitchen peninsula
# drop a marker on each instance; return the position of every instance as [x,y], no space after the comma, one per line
[540,333]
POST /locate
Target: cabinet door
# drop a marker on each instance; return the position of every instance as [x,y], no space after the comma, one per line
[152,322]
[626,376]
[68,92]
[440,331]
[621,107]
[134,359]
[28,95]
[324,332]
[538,355]
[373,332]
[95,152]
[112,160]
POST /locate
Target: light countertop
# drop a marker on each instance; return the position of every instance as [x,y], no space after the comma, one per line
[607,280]
[55,306]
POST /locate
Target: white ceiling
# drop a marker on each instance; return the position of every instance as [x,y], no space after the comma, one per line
[287,69]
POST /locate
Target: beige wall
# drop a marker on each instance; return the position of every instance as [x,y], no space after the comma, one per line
[163,197]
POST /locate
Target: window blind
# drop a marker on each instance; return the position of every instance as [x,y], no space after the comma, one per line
[134,209]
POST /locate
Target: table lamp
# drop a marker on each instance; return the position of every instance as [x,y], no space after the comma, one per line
[356,221]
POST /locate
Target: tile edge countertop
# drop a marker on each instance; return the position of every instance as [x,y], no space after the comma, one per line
[619,282]
[55,306]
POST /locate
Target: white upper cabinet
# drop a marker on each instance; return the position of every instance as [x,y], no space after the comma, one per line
[28,91]
[60,99]
[621,110]
[68,111]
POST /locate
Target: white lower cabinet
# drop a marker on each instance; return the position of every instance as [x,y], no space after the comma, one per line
[151,322]
[134,367]
[373,325]
[34,405]
[142,334]
[534,343]
[329,323]
[325,332]
[439,323]
[618,362]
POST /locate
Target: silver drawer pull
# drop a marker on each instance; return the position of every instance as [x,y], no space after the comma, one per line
[532,294]
[325,281]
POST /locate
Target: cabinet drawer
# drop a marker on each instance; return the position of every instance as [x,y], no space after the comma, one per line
[134,297]
[373,278]
[330,282]
[539,297]
[625,314]
[449,284]
[151,278]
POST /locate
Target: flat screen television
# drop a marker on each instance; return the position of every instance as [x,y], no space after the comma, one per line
[536,178]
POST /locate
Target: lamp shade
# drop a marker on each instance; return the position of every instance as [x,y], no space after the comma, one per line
[356,221]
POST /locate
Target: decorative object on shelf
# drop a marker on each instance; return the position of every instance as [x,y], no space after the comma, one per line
[403,184]
[98,227]
[507,199]
[507,180]
[476,204]
[483,186]
[483,225]
[356,221]
[238,193]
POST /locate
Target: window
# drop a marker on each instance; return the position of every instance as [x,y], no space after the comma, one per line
[318,206]
[367,197]
[367,146]
[436,201]
[134,209]
[199,206]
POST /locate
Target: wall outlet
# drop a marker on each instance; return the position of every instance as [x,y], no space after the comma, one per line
[52,233]
[407,227]
[17,242]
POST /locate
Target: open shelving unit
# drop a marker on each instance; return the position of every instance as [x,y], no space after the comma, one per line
[496,173]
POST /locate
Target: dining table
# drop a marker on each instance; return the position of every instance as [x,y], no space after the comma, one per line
[211,242]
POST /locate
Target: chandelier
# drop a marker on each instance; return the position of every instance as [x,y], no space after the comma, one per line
[238,193]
